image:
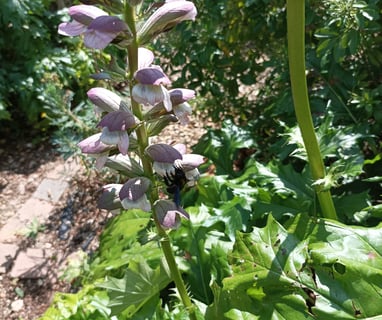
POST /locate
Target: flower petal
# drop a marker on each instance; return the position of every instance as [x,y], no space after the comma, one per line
[71,29]
[151,75]
[108,24]
[109,199]
[117,121]
[101,160]
[181,147]
[106,100]
[98,40]
[119,138]
[93,145]
[85,14]
[145,58]
[163,168]
[134,188]
[180,95]
[151,94]
[182,111]
[162,152]
[169,213]
[191,161]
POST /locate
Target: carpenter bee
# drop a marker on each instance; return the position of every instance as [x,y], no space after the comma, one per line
[175,181]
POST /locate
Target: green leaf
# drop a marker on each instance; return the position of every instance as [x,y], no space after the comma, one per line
[347,205]
[312,270]
[284,190]
[354,41]
[225,141]
[119,243]
[139,285]
[347,262]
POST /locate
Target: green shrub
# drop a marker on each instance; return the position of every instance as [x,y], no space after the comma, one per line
[38,71]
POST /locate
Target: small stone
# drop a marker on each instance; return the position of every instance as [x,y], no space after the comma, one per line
[7,254]
[31,264]
[17,305]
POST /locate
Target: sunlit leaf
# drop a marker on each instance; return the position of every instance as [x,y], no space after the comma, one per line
[139,285]
[312,270]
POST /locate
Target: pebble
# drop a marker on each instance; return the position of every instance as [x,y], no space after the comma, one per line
[48,245]
[17,305]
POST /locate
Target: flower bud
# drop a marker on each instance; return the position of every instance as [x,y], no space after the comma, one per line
[106,100]
[94,145]
[169,214]
[166,17]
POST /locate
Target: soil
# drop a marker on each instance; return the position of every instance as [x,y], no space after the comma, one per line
[23,167]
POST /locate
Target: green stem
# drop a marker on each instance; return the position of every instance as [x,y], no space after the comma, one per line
[296,55]
[142,137]
[175,273]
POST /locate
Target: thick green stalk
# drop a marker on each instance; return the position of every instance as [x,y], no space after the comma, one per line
[142,136]
[296,54]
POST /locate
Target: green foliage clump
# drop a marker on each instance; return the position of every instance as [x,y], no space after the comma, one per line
[39,72]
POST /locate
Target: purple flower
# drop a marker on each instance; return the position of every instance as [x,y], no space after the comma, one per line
[96,148]
[98,28]
[114,126]
[181,108]
[152,95]
[133,194]
[169,214]
[150,90]
[166,17]
[118,121]
[167,157]
[181,95]
[182,112]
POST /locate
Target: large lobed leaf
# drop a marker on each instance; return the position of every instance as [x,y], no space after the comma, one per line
[312,270]
[140,284]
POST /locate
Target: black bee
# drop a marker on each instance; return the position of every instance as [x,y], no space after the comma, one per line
[175,182]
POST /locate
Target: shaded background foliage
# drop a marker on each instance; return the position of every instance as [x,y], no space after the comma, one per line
[44,78]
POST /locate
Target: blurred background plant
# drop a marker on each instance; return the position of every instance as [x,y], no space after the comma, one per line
[43,78]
